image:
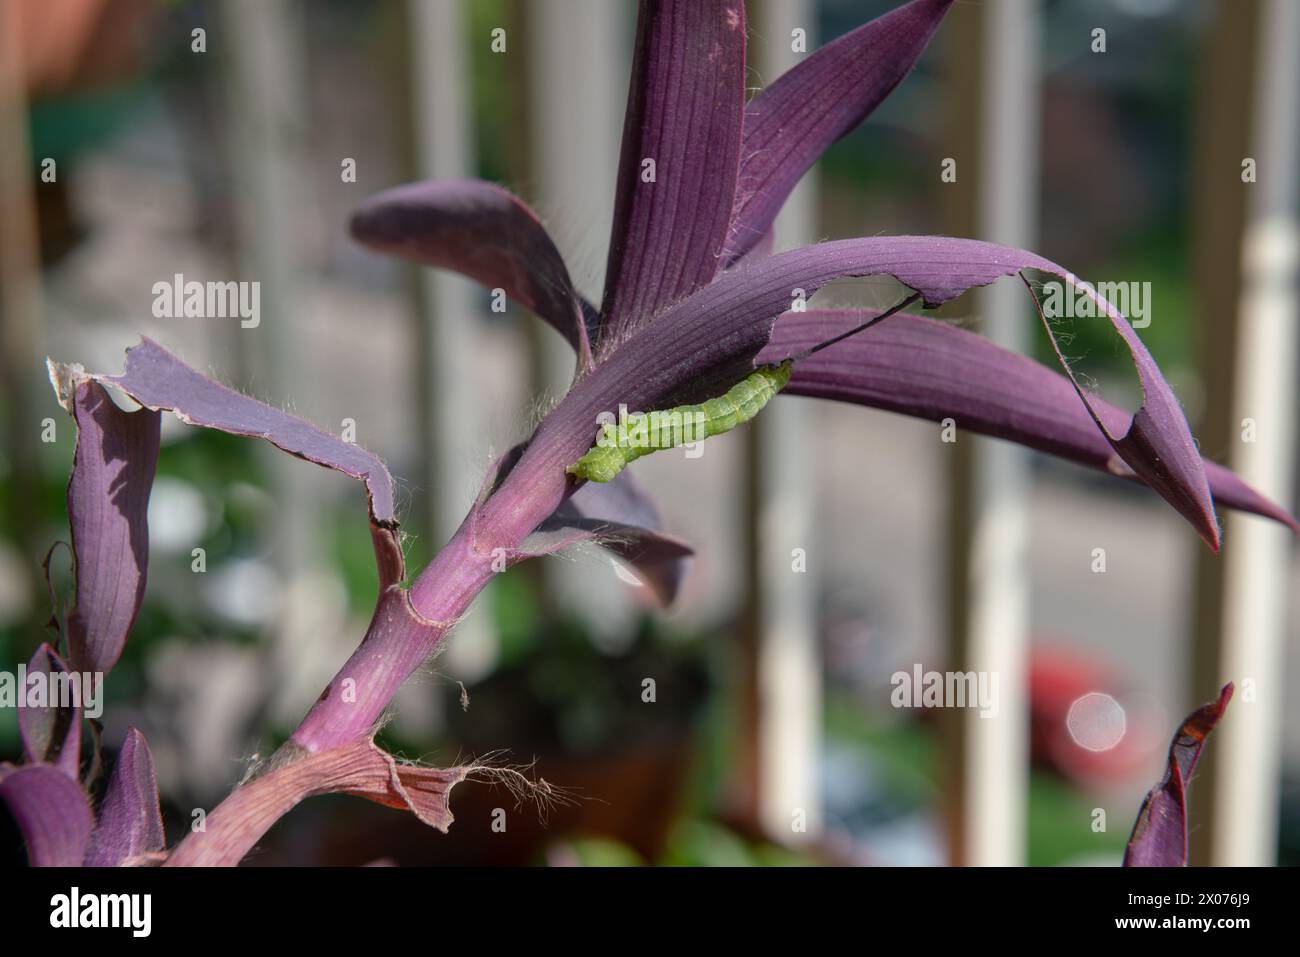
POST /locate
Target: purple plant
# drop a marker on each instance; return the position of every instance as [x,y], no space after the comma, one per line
[1159,837]
[693,303]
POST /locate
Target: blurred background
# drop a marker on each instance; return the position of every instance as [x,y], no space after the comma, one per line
[230,140]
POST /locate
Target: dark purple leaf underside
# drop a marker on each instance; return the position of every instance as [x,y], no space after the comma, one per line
[792,122]
[130,822]
[51,735]
[621,517]
[1159,837]
[484,232]
[684,114]
[933,370]
[51,812]
[159,380]
[108,500]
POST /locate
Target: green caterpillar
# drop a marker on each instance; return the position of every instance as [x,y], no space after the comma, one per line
[617,446]
[612,453]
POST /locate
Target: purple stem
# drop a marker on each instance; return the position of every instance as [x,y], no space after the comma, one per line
[403,634]
[399,639]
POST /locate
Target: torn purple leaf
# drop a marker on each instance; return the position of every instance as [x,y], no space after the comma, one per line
[933,370]
[1159,836]
[159,380]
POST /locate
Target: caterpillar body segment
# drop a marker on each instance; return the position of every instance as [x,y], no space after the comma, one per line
[738,405]
[603,462]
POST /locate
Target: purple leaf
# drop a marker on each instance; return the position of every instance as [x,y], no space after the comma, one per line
[1159,836]
[684,113]
[484,232]
[933,370]
[130,826]
[51,812]
[51,734]
[358,768]
[108,500]
[620,516]
[159,380]
[715,333]
[792,122]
